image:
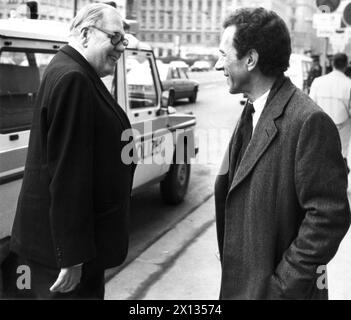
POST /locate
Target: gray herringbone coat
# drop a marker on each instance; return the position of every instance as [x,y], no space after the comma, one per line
[286,209]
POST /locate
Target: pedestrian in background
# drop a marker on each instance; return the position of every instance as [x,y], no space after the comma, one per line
[332,92]
[282,207]
[315,71]
[72,213]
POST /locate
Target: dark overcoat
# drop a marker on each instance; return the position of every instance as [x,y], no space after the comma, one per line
[281,218]
[75,197]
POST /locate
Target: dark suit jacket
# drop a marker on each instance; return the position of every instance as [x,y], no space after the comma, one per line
[286,210]
[74,202]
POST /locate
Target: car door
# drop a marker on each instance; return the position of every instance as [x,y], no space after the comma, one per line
[187,85]
[143,100]
[176,83]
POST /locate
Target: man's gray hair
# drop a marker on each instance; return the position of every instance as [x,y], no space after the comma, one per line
[89,15]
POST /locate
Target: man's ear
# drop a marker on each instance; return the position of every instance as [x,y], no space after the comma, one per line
[84,37]
[252,59]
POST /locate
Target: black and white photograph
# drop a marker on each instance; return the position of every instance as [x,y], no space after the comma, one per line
[175,154]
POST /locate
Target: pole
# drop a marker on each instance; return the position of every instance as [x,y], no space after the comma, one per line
[324,55]
[75,6]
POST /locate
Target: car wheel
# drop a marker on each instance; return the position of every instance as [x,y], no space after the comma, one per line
[193,97]
[175,185]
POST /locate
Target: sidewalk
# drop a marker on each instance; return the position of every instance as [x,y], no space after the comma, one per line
[184,265]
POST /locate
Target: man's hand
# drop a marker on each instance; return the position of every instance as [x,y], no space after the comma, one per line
[67,280]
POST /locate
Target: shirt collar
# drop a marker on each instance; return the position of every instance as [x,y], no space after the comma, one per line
[261,102]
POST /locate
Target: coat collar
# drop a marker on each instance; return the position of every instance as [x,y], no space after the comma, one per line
[266,129]
[76,56]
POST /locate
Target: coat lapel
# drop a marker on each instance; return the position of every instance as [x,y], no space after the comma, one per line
[74,54]
[266,129]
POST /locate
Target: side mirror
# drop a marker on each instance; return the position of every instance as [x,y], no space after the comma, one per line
[167,99]
[167,103]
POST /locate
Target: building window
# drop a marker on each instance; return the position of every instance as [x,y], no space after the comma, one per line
[180,22]
[152,37]
[144,3]
[190,5]
[188,38]
[198,38]
[170,37]
[170,21]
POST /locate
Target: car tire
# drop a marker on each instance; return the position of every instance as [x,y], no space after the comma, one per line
[193,97]
[174,187]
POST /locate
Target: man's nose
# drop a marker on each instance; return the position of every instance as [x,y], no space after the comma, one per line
[120,47]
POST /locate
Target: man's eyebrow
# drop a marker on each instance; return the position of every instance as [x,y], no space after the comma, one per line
[221,51]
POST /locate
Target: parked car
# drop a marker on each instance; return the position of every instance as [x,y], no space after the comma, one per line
[201,66]
[180,64]
[176,79]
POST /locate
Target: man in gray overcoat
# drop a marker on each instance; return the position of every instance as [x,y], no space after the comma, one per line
[281,201]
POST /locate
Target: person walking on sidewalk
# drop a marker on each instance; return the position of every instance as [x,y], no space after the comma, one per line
[72,214]
[332,92]
[281,202]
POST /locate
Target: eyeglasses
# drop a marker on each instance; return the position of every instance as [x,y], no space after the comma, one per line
[115,37]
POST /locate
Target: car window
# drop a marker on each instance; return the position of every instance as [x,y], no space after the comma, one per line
[20,74]
[183,74]
[175,73]
[141,82]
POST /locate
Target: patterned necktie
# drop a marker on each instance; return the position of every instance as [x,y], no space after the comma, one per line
[244,131]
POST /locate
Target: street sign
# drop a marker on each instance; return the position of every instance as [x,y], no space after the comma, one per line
[325,33]
[324,21]
[327,6]
[346,16]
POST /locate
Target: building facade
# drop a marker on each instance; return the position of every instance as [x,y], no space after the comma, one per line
[182,27]
[59,10]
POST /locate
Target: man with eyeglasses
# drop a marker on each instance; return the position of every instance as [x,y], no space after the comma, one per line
[72,213]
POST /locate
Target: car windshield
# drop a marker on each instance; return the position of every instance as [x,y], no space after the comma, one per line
[20,74]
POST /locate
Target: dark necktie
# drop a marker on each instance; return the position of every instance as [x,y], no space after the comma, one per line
[244,132]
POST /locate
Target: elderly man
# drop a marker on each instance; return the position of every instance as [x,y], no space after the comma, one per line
[282,207]
[71,219]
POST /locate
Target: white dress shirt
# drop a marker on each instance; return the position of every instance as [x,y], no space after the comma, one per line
[332,93]
[258,105]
